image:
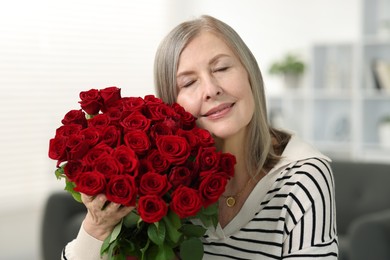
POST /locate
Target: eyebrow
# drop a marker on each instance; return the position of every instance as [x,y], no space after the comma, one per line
[215,58]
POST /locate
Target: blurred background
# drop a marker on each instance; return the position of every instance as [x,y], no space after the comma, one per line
[52,50]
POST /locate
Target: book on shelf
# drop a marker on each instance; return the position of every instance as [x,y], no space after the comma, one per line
[381,74]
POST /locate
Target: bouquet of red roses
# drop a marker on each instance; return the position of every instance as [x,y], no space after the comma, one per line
[144,153]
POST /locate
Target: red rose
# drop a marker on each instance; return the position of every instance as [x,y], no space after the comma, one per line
[110,95]
[135,121]
[99,121]
[226,163]
[75,117]
[138,141]
[57,148]
[128,158]
[150,99]
[174,148]
[133,104]
[108,165]
[111,135]
[187,119]
[207,158]
[191,138]
[160,128]
[73,169]
[91,135]
[159,111]
[211,186]
[143,166]
[74,140]
[101,149]
[78,147]
[152,208]
[156,162]
[115,115]
[90,101]
[91,183]
[152,183]
[185,202]
[121,189]
[68,130]
[205,138]
[180,175]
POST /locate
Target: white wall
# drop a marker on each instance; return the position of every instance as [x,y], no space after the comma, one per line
[50,50]
[273,27]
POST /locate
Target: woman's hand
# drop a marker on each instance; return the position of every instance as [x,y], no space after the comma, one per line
[102,216]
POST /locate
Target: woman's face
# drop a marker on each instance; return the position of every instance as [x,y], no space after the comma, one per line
[213,85]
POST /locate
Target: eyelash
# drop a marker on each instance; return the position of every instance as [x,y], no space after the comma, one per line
[188,84]
[216,70]
[221,69]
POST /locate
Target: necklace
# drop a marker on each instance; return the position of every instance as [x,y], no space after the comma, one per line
[231,199]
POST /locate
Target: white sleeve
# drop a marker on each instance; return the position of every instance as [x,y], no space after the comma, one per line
[84,247]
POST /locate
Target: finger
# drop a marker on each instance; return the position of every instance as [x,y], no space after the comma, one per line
[112,206]
[126,210]
[86,198]
[101,201]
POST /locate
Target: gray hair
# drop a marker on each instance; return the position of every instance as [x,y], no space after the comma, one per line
[258,140]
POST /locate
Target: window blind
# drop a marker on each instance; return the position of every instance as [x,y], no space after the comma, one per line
[49,52]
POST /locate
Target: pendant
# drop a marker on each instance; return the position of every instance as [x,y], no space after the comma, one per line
[230,201]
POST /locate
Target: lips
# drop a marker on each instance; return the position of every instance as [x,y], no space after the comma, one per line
[218,109]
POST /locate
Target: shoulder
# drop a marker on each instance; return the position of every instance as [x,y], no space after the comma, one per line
[311,171]
[306,182]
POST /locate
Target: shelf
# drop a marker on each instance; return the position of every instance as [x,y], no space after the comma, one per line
[332,67]
[340,109]
[376,17]
[373,40]
[376,94]
[333,94]
[335,150]
[375,152]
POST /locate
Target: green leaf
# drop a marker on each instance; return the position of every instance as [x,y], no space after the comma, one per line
[116,231]
[172,222]
[131,219]
[214,220]
[117,257]
[191,249]
[105,245]
[111,249]
[157,232]
[174,219]
[209,215]
[129,248]
[206,220]
[60,172]
[111,239]
[191,230]
[210,210]
[69,187]
[165,252]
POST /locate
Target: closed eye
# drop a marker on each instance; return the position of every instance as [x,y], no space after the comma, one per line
[221,69]
[187,84]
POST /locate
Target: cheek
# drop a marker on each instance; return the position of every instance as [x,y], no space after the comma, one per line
[188,103]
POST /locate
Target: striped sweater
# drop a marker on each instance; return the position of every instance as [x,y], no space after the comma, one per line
[289,215]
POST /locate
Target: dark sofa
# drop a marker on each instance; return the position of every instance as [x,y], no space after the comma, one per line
[362,201]
[363,209]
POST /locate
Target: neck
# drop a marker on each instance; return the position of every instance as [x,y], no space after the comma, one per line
[235,145]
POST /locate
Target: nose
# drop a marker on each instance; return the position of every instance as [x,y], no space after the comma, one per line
[211,88]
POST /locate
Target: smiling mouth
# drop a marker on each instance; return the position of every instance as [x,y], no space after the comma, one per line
[218,110]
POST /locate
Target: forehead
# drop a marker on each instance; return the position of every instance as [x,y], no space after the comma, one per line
[204,45]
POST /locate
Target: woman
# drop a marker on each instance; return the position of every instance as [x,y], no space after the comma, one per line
[280,203]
